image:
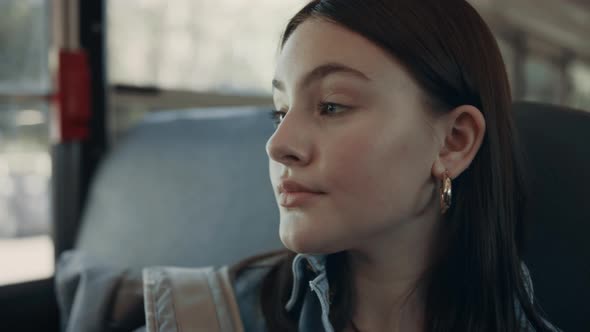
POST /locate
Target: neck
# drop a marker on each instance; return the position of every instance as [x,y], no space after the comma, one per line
[390,274]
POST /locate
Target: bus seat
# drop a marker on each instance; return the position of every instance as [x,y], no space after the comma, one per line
[185,188]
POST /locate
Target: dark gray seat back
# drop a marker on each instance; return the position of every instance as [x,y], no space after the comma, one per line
[557,143]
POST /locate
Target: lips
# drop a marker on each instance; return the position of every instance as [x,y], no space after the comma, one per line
[293,194]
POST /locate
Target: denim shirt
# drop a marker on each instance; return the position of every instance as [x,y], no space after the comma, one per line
[314,290]
[313,293]
[319,286]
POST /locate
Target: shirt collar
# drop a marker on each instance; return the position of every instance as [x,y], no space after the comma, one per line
[318,284]
[313,263]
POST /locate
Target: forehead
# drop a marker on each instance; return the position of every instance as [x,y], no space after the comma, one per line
[316,42]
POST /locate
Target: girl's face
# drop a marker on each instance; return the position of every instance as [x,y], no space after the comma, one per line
[355,131]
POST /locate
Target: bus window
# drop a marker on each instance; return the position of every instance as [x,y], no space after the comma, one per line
[580,76]
[202,53]
[542,80]
[26,248]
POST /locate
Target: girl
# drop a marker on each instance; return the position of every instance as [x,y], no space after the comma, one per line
[396,171]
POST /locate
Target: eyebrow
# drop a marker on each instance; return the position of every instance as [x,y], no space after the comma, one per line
[321,72]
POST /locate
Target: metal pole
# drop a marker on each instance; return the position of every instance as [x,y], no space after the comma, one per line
[66,155]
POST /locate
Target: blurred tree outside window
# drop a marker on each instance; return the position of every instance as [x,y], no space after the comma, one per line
[222,46]
[579,73]
[543,79]
[24,39]
[26,248]
[508,56]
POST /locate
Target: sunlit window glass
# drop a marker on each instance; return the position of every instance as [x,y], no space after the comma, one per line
[226,46]
[543,80]
[579,73]
[25,175]
[508,56]
[26,248]
[24,42]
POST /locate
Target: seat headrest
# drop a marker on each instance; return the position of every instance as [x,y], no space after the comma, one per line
[185,188]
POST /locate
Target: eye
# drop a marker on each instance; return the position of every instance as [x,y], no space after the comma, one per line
[277,117]
[331,108]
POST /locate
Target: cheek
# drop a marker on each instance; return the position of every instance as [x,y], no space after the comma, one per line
[354,167]
[378,173]
[358,162]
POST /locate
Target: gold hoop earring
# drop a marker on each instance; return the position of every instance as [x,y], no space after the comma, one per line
[445,193]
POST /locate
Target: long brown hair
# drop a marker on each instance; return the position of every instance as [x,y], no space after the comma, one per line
[451,53]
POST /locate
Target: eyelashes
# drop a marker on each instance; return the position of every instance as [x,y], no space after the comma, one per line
[276,117]
[327,109]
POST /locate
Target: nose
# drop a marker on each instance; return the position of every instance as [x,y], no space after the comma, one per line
[290,143]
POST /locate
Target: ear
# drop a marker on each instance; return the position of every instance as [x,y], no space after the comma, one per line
[462,132]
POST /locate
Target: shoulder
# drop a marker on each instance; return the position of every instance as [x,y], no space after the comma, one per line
[248,274]
[247,279]
[189,297]
[93,295]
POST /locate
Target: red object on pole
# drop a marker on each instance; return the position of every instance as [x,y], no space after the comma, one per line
[73,96]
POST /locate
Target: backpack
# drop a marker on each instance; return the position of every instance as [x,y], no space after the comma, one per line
[190,299]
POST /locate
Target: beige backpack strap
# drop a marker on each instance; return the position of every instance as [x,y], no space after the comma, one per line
[190,299]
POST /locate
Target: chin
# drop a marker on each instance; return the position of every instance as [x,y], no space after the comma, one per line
[304,240]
